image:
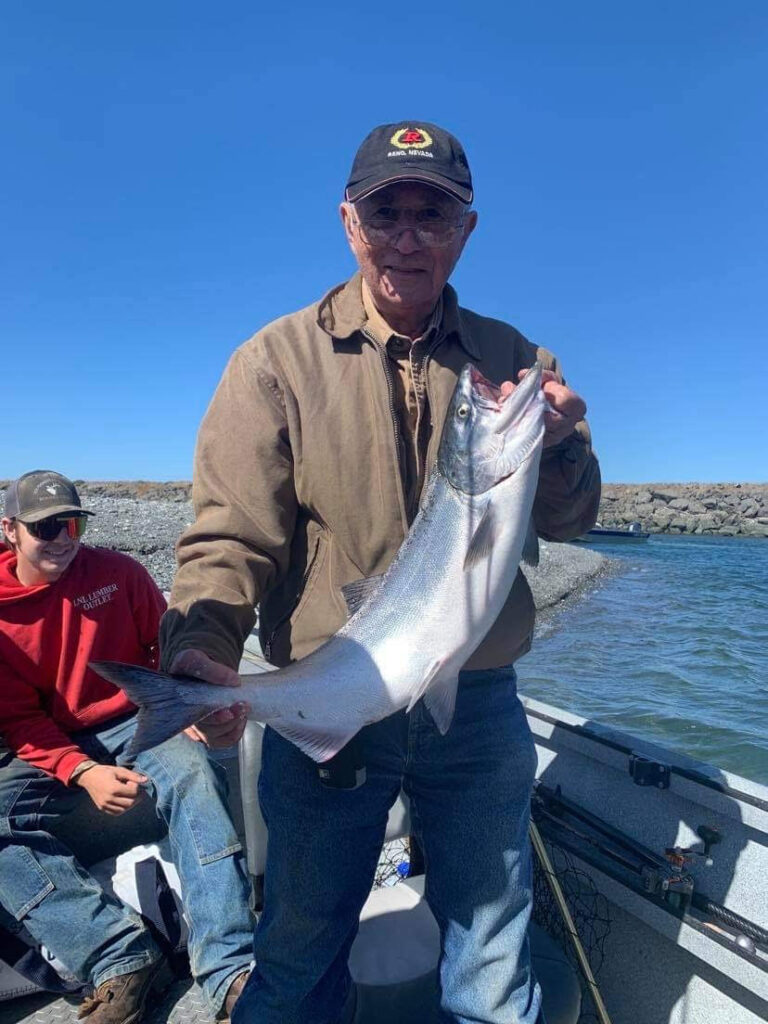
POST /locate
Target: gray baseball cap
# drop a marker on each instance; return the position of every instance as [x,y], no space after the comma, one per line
[42,493]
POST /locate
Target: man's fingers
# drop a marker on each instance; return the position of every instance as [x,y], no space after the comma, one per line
[225,715]
[194,734]
[124,801]
[218,717]
[224,734]
[117,805]
[565,401]
[546,376]
[221,728]
[231,736]
[198,665]
[128,775]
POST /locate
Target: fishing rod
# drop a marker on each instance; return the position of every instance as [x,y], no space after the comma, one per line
[570,927]
[662,879]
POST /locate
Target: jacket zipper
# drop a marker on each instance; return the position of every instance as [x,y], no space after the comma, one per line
[439,339]
[399,455]
[391,396]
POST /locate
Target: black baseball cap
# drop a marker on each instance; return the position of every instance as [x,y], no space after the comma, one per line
[410,151]
[42,493]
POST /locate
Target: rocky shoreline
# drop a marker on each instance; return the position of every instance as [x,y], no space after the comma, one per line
[145,520]
[726,510]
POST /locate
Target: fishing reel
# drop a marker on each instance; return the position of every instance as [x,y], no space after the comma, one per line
[680,856]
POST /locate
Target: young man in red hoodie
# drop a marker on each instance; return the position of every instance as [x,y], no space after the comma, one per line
[63,605]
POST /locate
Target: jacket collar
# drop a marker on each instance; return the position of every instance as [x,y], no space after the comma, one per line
[341,312]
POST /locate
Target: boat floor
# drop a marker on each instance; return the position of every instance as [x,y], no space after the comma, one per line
[183,1003]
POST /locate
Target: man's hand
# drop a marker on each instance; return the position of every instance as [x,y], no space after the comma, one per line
[567,407]
[222,728]
[112,789]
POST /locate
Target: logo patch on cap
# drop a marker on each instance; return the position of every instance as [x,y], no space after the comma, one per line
[411,138]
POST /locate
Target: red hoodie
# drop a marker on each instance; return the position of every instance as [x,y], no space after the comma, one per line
[105,606]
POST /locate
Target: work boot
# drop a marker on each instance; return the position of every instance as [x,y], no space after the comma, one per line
[122,1000]
[231,998]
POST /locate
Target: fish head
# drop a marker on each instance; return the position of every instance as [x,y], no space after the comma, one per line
[487,436]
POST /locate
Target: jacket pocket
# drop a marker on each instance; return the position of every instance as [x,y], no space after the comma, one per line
[315,562]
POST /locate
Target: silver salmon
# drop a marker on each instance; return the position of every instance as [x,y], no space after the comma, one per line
[411,630]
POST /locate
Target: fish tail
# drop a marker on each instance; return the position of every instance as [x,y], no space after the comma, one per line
[162,712]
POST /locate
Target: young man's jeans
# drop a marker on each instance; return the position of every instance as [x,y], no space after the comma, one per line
[469,793]
[95,936]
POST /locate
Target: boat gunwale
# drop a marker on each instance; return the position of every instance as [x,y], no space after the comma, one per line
[626,743]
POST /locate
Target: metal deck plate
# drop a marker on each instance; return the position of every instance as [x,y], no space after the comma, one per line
[182,1004]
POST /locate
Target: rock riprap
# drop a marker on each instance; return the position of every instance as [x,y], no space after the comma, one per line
[728,510]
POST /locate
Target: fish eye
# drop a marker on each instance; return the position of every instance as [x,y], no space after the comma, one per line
[463,410]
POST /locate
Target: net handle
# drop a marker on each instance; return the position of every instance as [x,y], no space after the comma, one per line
[570,927]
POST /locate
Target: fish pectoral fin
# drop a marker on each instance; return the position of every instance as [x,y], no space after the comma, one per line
[421,689]
[357,592]
[319,744]
[483,540]
[440,700]
[531,545]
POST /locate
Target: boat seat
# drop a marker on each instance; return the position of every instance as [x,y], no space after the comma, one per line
[394,958]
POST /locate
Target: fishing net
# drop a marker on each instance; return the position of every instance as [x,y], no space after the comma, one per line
[589,910]
[588,907]
[394,863]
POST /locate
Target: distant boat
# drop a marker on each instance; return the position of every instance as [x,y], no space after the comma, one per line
[602,535]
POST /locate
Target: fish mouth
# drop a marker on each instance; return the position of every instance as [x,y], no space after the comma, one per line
[511,408]
[487,393]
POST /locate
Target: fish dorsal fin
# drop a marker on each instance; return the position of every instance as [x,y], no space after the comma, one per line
[482,542]
[357,592]
[531,545]
[440,700]
[318,744]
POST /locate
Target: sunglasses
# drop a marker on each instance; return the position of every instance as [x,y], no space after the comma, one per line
[50,528]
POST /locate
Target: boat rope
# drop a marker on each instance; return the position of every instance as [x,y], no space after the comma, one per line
[570,927]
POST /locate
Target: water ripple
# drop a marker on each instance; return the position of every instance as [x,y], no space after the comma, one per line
[675,649]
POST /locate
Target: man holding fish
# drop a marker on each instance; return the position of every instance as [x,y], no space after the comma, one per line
[320,446]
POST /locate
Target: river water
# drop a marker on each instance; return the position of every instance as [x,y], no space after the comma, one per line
[674,648]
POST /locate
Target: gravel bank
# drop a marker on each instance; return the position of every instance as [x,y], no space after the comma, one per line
[564,571]
[735,509]
[147,528]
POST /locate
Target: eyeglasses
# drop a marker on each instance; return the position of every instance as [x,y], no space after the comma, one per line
[50,528]
[431,229]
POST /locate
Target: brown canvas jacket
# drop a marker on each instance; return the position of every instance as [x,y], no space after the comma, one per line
[298,488]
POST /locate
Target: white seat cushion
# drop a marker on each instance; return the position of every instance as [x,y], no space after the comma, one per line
[394,959]
[395,921]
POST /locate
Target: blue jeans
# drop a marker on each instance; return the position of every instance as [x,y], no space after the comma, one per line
[94,935]
[469,794]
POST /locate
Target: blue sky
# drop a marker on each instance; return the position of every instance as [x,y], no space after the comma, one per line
[171,174]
